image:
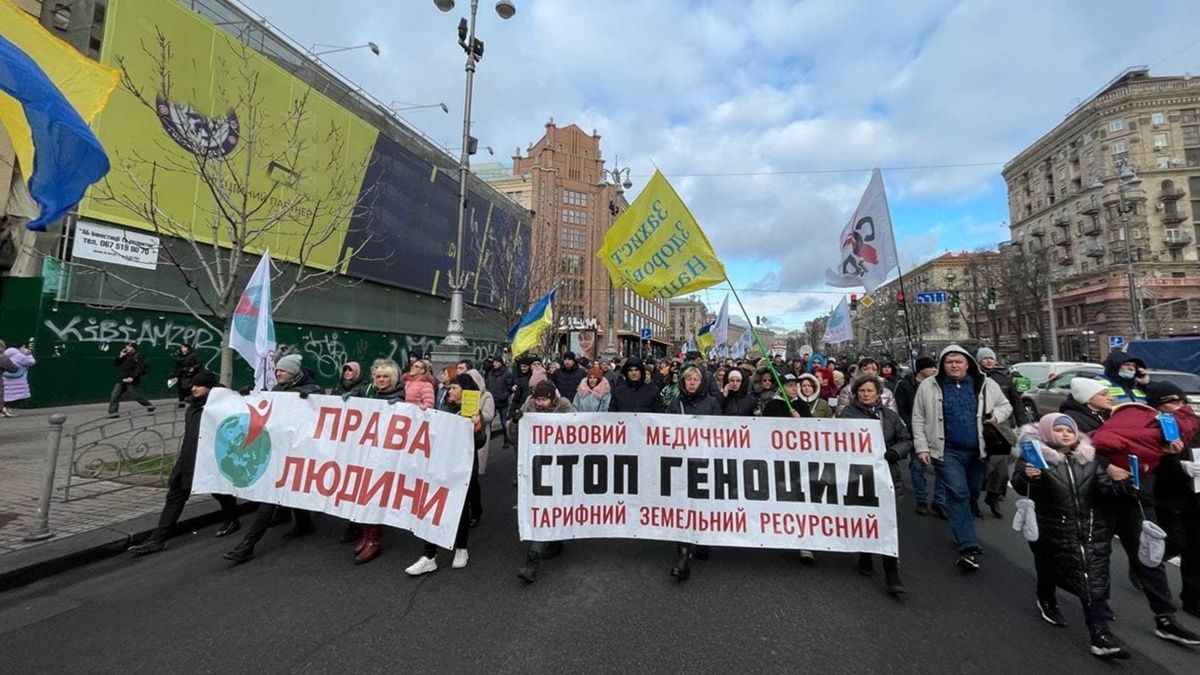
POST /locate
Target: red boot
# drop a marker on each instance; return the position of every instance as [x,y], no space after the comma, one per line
[373,536]
[362,539]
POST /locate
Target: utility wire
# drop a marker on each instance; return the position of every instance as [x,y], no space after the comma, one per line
[804,172]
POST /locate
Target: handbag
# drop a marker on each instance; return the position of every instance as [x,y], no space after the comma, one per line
[998,440]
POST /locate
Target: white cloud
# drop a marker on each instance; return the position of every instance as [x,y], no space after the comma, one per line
[769,85]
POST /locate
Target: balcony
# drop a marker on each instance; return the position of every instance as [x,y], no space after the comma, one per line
[1061,238]
[1065,259]
[1095,251]
[1061,221]
[1172,195]
[1172,217]
[1088,208]
[1037,231]
[1090,227]
[1176,238]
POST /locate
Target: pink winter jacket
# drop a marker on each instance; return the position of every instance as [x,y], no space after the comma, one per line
[419,390]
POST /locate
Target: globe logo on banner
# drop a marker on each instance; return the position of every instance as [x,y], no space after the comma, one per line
[243,445]
[212,137]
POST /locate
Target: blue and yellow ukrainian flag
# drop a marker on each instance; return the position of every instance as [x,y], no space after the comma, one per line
[705,338]
[525,335]
[48,94]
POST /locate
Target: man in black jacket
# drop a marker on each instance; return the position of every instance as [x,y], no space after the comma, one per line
[567,378]
[999,466]
[635,393]
[500,381]
[131,366]
[291,377]
[186,367]
[179,485]
[906,394]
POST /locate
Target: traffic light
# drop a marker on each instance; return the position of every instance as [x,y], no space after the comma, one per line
[991,298]
[854,302]
[955,303]
[900,297]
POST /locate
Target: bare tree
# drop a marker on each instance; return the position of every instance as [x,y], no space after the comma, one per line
[1025,277]
[236,219]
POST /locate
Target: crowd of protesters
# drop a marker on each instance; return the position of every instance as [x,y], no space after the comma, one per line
[956,416]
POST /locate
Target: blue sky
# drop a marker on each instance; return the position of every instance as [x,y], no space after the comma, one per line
[771,88]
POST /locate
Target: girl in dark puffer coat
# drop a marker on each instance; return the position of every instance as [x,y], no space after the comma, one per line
[1074,539]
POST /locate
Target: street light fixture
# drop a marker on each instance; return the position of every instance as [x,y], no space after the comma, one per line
[616,178]
[401,106]
[333,49]
[454,345]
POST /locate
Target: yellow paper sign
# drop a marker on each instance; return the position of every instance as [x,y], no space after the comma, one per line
[470,402]
[657,248]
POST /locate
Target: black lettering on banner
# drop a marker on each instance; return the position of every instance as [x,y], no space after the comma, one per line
[664,477]
[788,484]
[756,480]
[625,474]
[822,482]
[860,486]
[595,474]
[725,479]
[568,462]
[540,462]
[697,478]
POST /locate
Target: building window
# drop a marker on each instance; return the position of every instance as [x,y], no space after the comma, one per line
[1120,147]
[1192,156]
[574,217]
[1116,125]
[572,264]
[1176,255]
[1087,138]
[1191,134]
[1164,162]
[1188,115]
[1160,141]
[1090,156]
[1158,119]
[574,198]
[572,238]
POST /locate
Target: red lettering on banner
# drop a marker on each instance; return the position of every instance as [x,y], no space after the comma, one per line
[310,476]
[371,433]
[290,463]
[346,494]
[680,518]
[397,433]
[351,422]
[421,442]
[382,487]
[322,413]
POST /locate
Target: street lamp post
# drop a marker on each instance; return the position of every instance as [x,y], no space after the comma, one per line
[454,346]
[617,179]
[1126,180]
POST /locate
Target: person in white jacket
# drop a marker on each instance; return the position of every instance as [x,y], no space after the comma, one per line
[949,414]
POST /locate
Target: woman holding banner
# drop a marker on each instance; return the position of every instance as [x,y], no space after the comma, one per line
[385,384]
[694,399]
[866,403]
[454,404]
[544,399]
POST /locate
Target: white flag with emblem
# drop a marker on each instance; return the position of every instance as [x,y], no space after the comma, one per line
[867,248]
[253,331]
[838,328]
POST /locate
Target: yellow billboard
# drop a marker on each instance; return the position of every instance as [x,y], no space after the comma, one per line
[211,133]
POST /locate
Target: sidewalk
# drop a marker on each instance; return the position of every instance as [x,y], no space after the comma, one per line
[94,518]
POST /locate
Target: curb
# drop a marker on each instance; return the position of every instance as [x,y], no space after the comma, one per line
[56,556]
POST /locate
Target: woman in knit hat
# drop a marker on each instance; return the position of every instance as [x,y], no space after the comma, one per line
[543,399]
[1089,404]
[594,393]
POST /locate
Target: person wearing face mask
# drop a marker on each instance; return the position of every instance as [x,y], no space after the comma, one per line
[736,400]
[1120,375]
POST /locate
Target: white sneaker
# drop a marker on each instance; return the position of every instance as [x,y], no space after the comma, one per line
[422,566]
[460,558]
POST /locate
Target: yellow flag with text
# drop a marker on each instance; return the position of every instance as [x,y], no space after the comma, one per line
[657,248]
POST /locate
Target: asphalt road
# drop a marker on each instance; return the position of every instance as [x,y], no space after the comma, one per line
[604,606]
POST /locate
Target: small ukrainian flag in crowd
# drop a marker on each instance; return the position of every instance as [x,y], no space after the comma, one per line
[525,335]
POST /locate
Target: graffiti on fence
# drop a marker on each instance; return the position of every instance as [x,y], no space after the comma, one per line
[163,334]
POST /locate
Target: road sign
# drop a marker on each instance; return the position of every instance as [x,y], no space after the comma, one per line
[932,297]
[866,301]
[1116,341]
[646,333]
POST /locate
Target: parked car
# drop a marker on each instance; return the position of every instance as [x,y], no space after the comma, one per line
[1048,396]
[1040,371]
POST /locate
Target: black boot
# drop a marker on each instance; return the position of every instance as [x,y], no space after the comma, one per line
[891,573]
[975,510]
[147,547]
[866,566]
[528,571]
[240,553]
[1105,646]
[683,566]
[993,502]
[229,528]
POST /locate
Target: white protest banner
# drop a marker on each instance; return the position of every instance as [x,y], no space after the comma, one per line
[818,484]
[92,241]
[362,459]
